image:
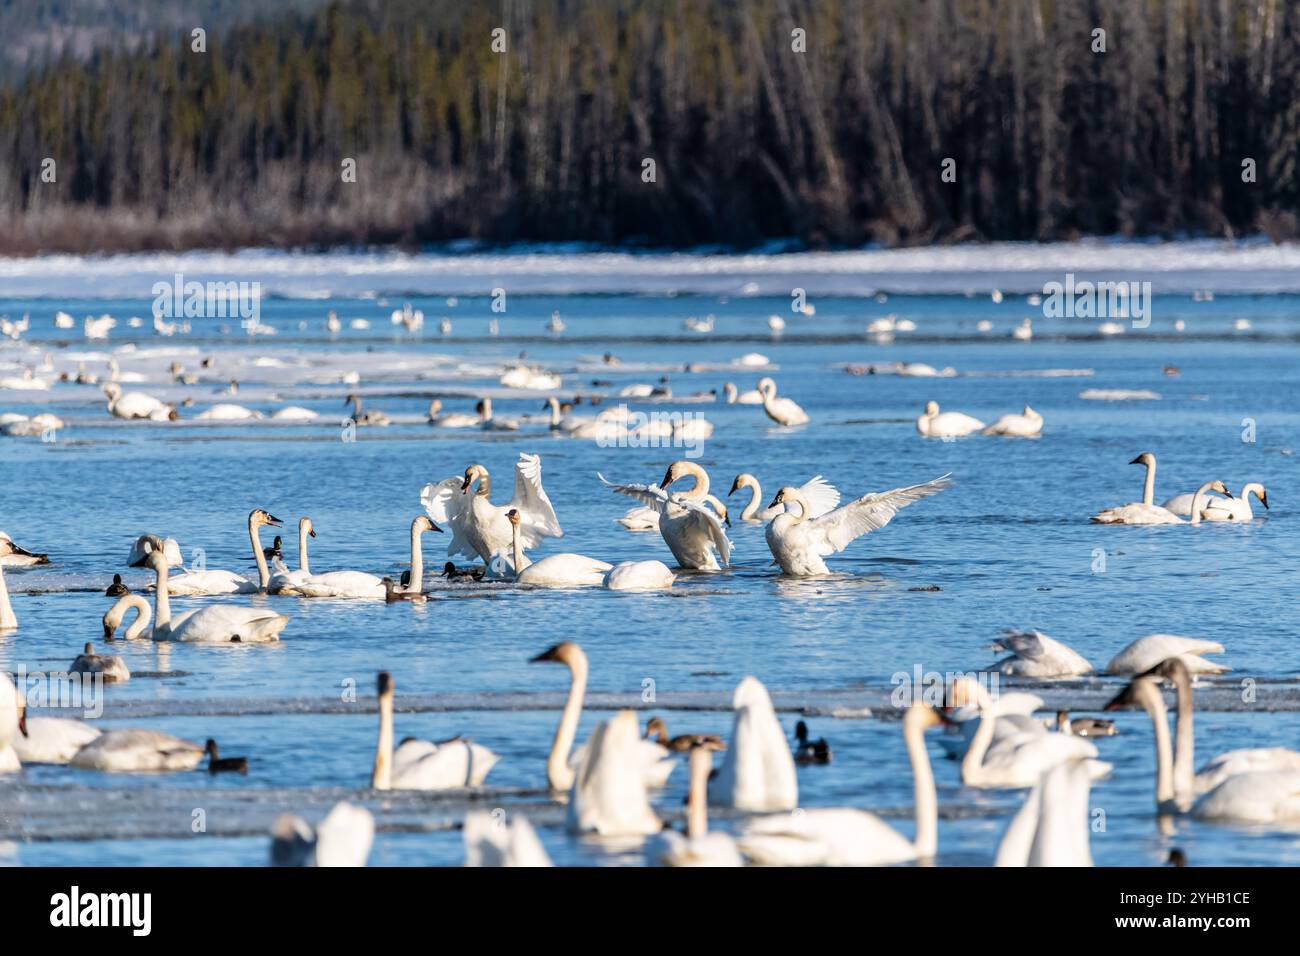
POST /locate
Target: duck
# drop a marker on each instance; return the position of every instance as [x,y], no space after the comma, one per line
[657,730]
[936,424]
[275,551]
[113,669]
[453,573]
[117,588]
[423,764]
[1084,726]
[394,592]
[218,764]
[809,751]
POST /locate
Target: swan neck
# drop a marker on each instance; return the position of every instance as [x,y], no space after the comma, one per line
[142,615]
[417,558]
[382,777]
[558,773]
[972,765]
[701,486]
[1184,741]
[1199,502]
[1149,486]
[263,575]
[7,617]
[697,814]
[518,548]
[162,617]
[1155,708]
[927,800]
[303,564]
[755,499]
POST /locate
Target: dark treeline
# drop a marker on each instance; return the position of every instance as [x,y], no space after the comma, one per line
[160,146]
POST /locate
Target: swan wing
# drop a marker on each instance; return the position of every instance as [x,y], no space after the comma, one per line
[537,516]
[609,792]
[834,531]
[1265,796]
[444,503]
[651,496]
[821,495]
[1146,652]
[703,521]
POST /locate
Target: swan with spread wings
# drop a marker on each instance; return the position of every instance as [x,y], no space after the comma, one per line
[480,528]
[799,542]
[691,531]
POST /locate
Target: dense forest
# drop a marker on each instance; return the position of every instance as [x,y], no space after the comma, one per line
[829,121]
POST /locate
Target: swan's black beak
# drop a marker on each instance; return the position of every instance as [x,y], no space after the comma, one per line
[1263,500]
[726,519]
[550,654]
[464,486]
[273,521]
[668,479]
[1121,700]
[1136,461]
[311,532]
[777,501]
[734,486]
[1227,492]
[433,527]
[108,633]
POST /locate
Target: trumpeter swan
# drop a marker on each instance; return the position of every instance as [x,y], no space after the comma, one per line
[698,847]
[227,413]
[1146,511]
[820,494]
[799,542]
[480,528]
[933,424]
[1052,827]
[1147,652]
[555,570]
[491,842]
[284,581]
[758,772]
[216,581]
[1221,509]
[12,556]
[223,623]
[330,584]
[850,837]
[451,419]
[52,739]
[736,397]
[112,667]
[639,576]
[133,405]
[609,796]
[136,749]
[423,764]
[1034,654]
[1028,424]
[490,423]
[783,411]
[563,760]
[370,418]
[142,545]
[343,838]
[690,530]
[1021,759]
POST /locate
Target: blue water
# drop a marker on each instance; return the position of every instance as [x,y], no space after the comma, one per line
[1009,546]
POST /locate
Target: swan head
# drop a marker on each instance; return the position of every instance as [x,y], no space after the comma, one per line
[566,652]
[148,545]
[678,469]
[790,496]
[258,517]
[112,390]
[931,409]
[352,399]
[744,480]
[1137,693]
[729,391]
[435,407]
[766,387]
[1171,669]
[1258,491]
[919,715]
[474,473]
[1146,458]
[306,527]
[1030,413]
[721,509]
[424,523]
[513,517]
[1221,488]
[384,684]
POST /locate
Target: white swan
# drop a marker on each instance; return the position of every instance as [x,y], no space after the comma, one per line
[20,426]
[697,847]
[933,424]
[134,405]
[52,740]
[1147,652]
[639,576]
[563,760]
[783,411]
[13,724]
[1021,759]
[848,837]
[136,749]
[284,581]
[423,764]
[371,418]
[224,623]
[294,413]
[111,667]
[1034,654]
[1146,511]
[640,518]
[735,397]
[1221,509]
[491,841]
[142,545]
[799,542]
[228,413]
[821,495]
[490,423]
[565,570]
[758,772]
[12,556]
[215,581]
[8,620]
[1028,424]
[330,584]
[1015,716]
[690,530]
[1051,828]
[343,838]
[480,528]
[451,419]
[609,796]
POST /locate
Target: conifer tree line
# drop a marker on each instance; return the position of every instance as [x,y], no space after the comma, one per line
[666,123]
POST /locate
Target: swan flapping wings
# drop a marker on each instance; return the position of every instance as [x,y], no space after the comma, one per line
[835,530]
[444,503]
[447,504]
[536,515]
[671,505]
[822,496]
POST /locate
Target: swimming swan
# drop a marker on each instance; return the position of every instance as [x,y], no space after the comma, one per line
[490,841]
[330,584]
[609,795]
[226,582]
[799,542]
[52,740]
[555,570]
[480,528]
[1052,827]
[698,847]
[690,530]
[758,772]
[1147,652]
[113,668]
[844,836]
[1146,511]
[136,749]
[1221,509]
[1034,654]
[1028,424]
[639,576]
[933,424]
[822,497]
[343,838]
[423,764]
[1021,759]
[783,411]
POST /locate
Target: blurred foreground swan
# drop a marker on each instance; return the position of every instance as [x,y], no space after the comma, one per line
[491,841]
[609,796]
[849,837]
[1019,759]
[480,528]
[698,847]
[1051,828]
[799,541]
[423,764]
[758,772]
[343,838]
